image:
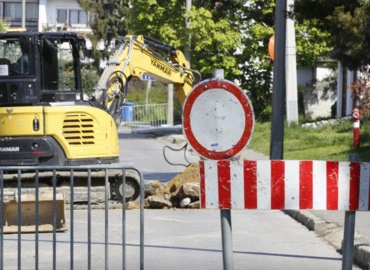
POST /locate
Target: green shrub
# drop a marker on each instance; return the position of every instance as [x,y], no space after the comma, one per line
[361,93]
[89,80]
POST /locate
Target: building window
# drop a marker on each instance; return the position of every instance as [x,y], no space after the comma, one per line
[31,11]
[72,16]
[62,16]
[77,17]
[14,11]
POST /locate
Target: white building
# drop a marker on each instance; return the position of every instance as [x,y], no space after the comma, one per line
[319,89]
[58,14]
[44,15]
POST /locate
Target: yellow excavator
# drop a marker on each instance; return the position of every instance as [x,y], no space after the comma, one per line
[45,119]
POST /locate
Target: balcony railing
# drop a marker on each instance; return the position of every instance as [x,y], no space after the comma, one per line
[31,25]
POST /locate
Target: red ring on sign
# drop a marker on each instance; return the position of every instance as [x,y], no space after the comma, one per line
[248,112]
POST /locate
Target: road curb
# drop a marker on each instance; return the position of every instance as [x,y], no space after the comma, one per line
[333,234]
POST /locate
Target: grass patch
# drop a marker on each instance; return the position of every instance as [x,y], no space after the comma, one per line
[332,142]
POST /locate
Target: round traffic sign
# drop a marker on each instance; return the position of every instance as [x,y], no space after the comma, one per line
[218,119]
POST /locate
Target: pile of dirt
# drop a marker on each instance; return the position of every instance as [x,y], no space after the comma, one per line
[181,192]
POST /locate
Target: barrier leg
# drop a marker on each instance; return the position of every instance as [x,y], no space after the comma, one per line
[349,233]
[348,240]
[227,239]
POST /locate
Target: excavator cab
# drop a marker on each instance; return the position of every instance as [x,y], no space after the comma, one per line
[44,117]
[38,68]
[60,69]
[14,57]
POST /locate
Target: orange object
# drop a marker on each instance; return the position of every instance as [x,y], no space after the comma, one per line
[271,47]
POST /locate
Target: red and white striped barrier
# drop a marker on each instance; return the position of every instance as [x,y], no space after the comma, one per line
[284,184]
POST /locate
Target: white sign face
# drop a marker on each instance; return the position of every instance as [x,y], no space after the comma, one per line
[217,120]
[4,70]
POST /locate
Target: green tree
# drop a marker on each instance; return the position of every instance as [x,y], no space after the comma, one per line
[348,25]
[224,34]
[231,35]
[213,39]
[257,24]
[109,20]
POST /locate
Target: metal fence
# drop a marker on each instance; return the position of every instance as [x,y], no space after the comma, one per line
[84,246]
[149,115]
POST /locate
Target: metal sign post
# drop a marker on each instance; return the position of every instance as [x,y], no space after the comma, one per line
[211,111]
[349,232]
[149,81]
[225,215]
[227,239]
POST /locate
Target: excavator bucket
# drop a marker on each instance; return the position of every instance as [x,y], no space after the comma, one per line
[28,216]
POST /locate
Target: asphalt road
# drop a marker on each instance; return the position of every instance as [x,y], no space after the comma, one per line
[145,152]
[181,240]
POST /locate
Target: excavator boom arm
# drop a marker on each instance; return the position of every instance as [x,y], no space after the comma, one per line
[138,56]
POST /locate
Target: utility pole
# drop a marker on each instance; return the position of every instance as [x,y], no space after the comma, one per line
[278,93]
[187,26]
[187,56]
[23,13]
[291,70]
